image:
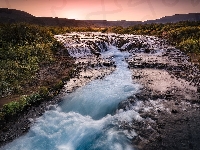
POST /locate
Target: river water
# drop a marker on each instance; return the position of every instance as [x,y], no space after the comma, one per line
[87,119]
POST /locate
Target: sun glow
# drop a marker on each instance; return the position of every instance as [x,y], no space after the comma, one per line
[72,15]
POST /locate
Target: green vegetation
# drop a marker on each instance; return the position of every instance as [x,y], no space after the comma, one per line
[15,107]
[183,35]
[23,48]
[25,51]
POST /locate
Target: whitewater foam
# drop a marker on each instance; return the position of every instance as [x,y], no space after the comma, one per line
[86,119]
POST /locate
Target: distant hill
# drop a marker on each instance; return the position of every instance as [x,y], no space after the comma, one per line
[177,18]
[14,16]
[13,13]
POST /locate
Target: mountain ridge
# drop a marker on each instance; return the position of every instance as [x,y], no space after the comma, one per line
[15,16]
[177,18]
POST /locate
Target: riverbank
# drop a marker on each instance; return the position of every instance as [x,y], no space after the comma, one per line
[168,102]
[20,124]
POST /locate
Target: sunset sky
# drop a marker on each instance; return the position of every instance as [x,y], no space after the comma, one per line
[135,10]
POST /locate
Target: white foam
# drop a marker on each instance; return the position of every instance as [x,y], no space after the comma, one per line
[83,120]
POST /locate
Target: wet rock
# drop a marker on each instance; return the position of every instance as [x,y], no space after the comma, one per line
[198,89]
[107,64]
[137,76]
[175,122]
[125,105]
[147,50]
[174,111]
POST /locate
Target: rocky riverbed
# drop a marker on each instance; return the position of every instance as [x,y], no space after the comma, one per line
[168,102]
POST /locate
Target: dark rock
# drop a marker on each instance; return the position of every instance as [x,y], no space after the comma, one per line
[147,50]
[136,76]
[107,64]
[124,105]
[198,89]
[158,110]
[174,111]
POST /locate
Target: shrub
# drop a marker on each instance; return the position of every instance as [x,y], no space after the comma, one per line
[11,108]
[43,92]
[58,86]
[23,48]
[190,45]
[15,107]
[33,98]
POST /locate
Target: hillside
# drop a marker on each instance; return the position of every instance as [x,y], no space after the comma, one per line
[13,13]
[176,18]
[14,16]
